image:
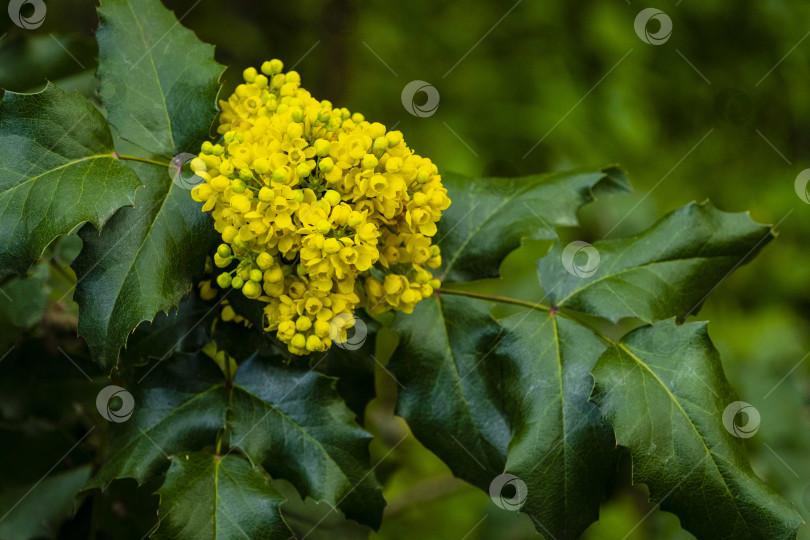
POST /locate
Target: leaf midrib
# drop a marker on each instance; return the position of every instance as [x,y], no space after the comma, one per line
[677,403]
[631,269]
[174,410]
[157,76]
[298,427]
[63,166]
[460,384]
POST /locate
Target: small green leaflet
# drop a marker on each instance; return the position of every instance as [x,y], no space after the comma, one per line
[665,398]
[489,397]
[288,420]
[158,81]
[291,421]
[159,85]
[124,273]
[667,270]
[57,170]
[489,216]
[211,497]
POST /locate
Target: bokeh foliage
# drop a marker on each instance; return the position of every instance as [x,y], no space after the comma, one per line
[680,135]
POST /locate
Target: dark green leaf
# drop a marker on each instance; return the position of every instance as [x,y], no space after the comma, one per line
[291,421]
[450,392]
[140,264]
[489,216]
[287,419]
[206,496]
[125,275]
[179,407]
[560,446]
[666,399]
[665,271]
[158,81]
[488,398]
[57,170]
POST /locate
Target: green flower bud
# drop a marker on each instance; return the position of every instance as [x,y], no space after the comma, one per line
[279,175]
[326,164]
[252,290]
[224,280]
[238,186]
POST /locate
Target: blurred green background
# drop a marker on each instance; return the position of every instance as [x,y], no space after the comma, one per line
[719,111]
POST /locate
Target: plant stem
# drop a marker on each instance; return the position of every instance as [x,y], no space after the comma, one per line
[495,298]
[143,160]
[524,303]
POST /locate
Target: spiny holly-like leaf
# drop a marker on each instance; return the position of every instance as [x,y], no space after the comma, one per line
[206,496]
[449,381]
[665,271]
[666,404]
[125,275]
[158,81]
[140,264]
[488,398]
[57,170]
[291,421]
[489,216]
[286,419]
[560,446]
[179,407]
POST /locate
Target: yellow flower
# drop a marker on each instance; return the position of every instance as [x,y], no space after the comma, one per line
[321,212]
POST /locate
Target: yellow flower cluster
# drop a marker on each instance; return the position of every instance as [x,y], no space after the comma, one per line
[320,211]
